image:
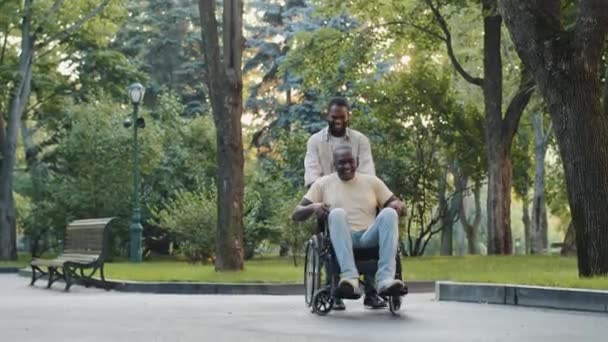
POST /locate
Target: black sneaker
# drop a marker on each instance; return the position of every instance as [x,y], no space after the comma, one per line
[339,305]
[390,287]
[349,289]
[373,301]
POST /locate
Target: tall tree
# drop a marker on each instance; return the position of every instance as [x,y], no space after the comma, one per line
[225,84]
[499,128]
[566,61]
[40,33]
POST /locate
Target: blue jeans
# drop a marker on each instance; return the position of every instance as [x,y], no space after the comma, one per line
[383,233]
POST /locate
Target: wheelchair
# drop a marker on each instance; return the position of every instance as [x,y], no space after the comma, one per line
[322,273]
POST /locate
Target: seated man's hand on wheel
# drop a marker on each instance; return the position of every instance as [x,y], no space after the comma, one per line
[321,210]
[399,207]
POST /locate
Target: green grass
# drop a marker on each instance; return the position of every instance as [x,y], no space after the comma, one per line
[526,270]
[529,270]
[22,261]
[263,270]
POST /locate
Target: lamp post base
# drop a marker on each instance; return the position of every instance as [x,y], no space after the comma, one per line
[135,230]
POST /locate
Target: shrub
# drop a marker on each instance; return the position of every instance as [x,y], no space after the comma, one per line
[191,217]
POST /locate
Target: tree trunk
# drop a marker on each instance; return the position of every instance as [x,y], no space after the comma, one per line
[566,67]
[539,227]
[499,146]
[499,201]
[226,89]
[447,232]
[525,206]
[569,245]
[8,145]
[471,229]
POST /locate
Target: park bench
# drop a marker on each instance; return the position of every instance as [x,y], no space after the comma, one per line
[84,252]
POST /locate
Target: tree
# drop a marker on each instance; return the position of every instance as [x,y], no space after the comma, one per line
[499,129]
[41,33]
[225,85]
[539,224]
[428,17]
[565,56]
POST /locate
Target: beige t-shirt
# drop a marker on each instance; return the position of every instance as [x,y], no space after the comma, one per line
[359,197]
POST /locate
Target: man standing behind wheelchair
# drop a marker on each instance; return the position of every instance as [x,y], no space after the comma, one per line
[349,200]
[319,162]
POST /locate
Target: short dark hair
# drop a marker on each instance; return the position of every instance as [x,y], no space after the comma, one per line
[342,147]
[338,101]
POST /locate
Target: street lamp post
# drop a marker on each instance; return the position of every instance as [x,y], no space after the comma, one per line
[136,94]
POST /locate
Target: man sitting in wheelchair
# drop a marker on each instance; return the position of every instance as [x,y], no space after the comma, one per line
[350,201]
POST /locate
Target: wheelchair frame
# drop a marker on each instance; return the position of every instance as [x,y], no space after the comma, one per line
[320,294]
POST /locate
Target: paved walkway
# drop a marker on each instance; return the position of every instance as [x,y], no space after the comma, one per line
[36,314]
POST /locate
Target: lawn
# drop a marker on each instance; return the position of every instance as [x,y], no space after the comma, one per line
[531,270]
[22,261]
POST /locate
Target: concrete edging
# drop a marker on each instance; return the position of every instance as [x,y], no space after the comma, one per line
[219,288]
[528,296]
[7,269]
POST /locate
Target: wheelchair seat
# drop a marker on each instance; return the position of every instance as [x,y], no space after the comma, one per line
[372,253]
[366,259]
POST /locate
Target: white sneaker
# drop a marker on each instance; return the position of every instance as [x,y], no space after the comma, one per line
[389,287]
[349,289]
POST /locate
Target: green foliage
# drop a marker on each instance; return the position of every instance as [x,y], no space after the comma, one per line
[163,38]
[261,197]
[89,173]
[192,218]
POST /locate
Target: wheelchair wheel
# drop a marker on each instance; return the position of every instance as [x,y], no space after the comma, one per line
[312,270]
[322,302]
[394,304]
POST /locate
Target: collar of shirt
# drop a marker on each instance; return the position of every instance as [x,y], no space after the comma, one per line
[326,134]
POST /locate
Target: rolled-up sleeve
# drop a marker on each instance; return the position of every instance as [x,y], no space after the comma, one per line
[312,166]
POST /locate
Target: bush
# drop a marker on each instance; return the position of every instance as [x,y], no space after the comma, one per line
[191,217]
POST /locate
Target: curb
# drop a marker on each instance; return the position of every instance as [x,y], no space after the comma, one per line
[219,288]
[528,296]
[9,270]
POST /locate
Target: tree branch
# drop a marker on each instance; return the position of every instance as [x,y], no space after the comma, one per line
[49,15]
[210,38]
[518,104]
[408,23]
[4,43]
[605,96]
[448,42]
[63,35]
[232,38]
[547,136]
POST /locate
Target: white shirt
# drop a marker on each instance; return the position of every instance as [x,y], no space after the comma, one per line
[319,160]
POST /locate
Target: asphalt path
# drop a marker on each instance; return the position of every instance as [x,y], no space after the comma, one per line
[37,314]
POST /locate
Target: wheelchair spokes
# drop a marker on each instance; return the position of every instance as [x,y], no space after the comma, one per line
[312,270]
[322,302]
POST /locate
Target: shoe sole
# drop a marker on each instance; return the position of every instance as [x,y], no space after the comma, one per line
[393,290]
[376,307]
[347,291]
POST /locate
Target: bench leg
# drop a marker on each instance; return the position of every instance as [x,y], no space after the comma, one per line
[103,278]
[68,277]
[33,276]
[41,273]
[51,274]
